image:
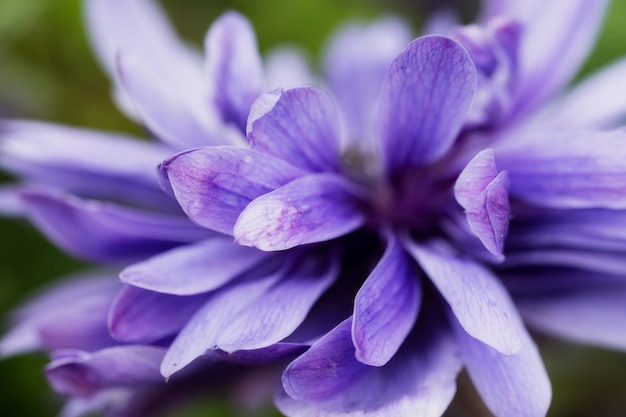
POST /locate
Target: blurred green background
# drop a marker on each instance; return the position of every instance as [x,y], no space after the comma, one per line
[47,72]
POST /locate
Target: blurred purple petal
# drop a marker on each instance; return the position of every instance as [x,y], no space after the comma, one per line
[213,185]
[287,67]
[386,306]
[299,126]
[425,97]
[314,208]
[477,298]
[270,354]
[193,269]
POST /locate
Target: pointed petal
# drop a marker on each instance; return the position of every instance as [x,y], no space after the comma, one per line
[314,208]
[213,185]
[283,308]
[483,193]
[234,66]
[105,232]
[418,382]
[193,269]
[82,373]
[386,307]
[355,61]
[89,163]
[424,100]
[299,125]
[567,169]
[141,316]
[477,298]
[510,385]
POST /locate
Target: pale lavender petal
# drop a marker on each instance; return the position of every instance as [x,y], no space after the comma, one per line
[282,308]
[213,185]
[234,66]
[83,373]
[193,269]
[89,163]
[355,62]
[419,382]
[483,192]
[10,202]
[476,296]
[314,208]
[424,99]
[566,169]
[566,31]
[105,231]
[386,306]
[590,314]
[299,125]
[287,67]
[68,314]
[141,316]
[510,385]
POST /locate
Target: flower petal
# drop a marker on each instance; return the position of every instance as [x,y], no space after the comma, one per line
[275,352]
[141,316]
[234,66]
[105,232]
[566,169]
[476,297]
[299,125]
[310,209]
[213,185]
[386,307]
[193,269]
[82,373]
[510,385]
[483,193]
[424,99]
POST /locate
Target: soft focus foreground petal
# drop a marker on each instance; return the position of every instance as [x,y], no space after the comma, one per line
[105,231]
[89,163]
[282,308]
[588,314]
[193,269]
[566,169]
[565,30]
[213,185]
[314,208]
[510,385]
[355,63]
[69,314]
[477,298]
[386,306]
[328,381]
[83,373]
[424,99]
[234,66]
[592,103]
[299,125]
[483,192]
[141,316]
[205,327]
[173,117]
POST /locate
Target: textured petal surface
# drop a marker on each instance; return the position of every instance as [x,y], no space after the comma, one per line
[82,373]
[419,382]
[299,125]
[234,66]
[314,208]
[566,169]
[476,297]
[424,99]
[483,193]
[510,385]
[213,185]
[141,316]
[193,269]
[386,307]
[105,232]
